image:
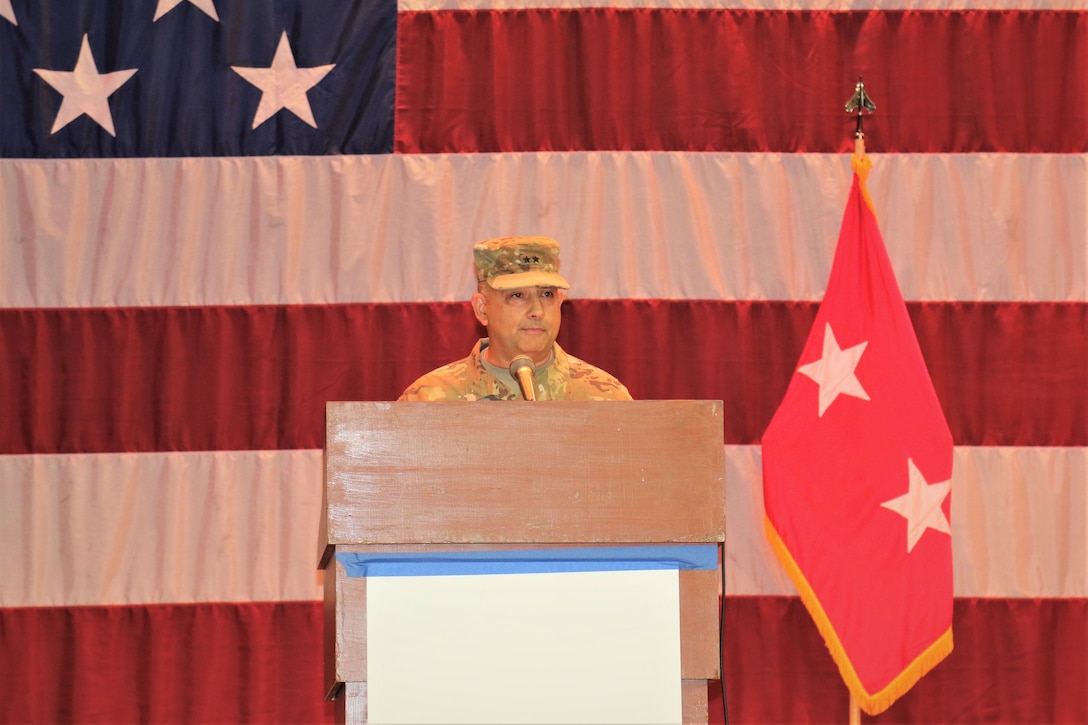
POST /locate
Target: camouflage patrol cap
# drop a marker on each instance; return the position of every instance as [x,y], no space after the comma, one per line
[516,262]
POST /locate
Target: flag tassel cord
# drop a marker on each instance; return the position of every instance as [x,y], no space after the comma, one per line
[877,702]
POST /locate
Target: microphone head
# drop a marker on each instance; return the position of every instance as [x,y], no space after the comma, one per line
[520,362]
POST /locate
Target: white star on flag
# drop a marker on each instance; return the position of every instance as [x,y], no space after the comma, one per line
[284,85]
[7,13]
[85,90]
[165,6]
[921,505]
[834,371]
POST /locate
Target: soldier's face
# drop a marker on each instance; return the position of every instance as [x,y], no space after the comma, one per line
[519,322]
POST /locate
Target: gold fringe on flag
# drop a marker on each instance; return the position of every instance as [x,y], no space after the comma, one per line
[872,703]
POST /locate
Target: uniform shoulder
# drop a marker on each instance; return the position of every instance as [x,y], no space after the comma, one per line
[589,382]
[444,383]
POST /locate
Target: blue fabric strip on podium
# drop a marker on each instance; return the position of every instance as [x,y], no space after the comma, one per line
[532,561]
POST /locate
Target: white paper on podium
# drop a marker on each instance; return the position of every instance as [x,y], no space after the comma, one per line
[566,647]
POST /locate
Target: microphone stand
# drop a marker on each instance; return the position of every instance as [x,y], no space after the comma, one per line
[523,369]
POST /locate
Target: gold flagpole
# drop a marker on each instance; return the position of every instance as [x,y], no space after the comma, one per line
[855,711]
[858,103]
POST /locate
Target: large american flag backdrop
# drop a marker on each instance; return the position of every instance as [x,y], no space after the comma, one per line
[216,215]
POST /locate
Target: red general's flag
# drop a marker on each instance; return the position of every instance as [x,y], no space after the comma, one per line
[857,469]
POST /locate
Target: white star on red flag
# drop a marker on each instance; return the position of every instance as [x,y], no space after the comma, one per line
[284,84]
[921,506]
[834,371]
[85,90]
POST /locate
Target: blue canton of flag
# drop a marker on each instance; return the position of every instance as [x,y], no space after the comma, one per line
[153,78]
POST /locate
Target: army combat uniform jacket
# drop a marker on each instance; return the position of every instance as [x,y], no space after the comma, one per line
[565,378]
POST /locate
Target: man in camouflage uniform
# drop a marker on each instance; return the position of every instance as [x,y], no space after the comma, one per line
[518,300]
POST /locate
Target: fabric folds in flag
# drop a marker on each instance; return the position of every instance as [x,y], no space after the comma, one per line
[857,469]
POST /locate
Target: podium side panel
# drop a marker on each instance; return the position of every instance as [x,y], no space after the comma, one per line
[700,648]
[351,705]
[351,627]
[695,699]
[332,680]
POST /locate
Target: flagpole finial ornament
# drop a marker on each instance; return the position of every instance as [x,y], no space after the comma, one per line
[858,104]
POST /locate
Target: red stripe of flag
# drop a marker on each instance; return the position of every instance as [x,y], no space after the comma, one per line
[164,663]
[737,80]
[257,377]
[262,662]
[1017,661]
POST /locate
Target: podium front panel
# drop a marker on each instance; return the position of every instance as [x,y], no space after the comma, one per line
[524,472]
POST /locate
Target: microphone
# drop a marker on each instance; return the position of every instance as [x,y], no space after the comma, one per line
[523,368]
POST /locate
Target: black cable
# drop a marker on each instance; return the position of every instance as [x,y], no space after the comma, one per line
[721,632]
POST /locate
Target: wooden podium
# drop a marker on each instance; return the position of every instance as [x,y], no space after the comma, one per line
[452,476]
